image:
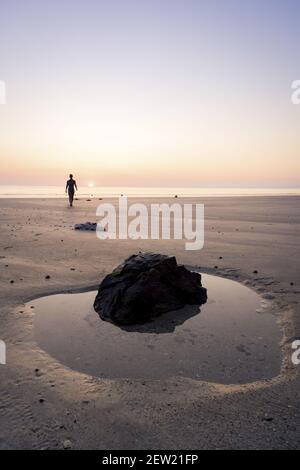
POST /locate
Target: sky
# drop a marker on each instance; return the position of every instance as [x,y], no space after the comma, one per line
[150,93]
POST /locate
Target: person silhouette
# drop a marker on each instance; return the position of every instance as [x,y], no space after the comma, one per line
[70,189]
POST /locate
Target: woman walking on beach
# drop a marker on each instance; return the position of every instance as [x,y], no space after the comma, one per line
[70,188]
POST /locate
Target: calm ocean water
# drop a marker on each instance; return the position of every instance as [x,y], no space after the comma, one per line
[58,191]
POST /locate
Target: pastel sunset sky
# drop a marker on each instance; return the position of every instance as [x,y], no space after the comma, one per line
[150,93]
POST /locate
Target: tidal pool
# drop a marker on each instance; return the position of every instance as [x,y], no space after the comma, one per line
[226,340]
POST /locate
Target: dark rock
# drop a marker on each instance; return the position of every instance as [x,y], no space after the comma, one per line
[145,286]
[88,226]
[47,277]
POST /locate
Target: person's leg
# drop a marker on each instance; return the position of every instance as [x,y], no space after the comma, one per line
[71,197]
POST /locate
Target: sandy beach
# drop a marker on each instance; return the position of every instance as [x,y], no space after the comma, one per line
[46,405]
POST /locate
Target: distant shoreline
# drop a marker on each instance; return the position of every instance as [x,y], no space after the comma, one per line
[49,192]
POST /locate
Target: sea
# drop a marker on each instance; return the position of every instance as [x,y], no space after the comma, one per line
[8,191]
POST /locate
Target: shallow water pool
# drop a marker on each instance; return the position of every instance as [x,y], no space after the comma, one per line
[226,340]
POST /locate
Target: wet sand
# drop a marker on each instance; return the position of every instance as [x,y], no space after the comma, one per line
[43,403]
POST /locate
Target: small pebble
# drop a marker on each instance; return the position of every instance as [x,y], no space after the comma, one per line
[267,419]
[67,444]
